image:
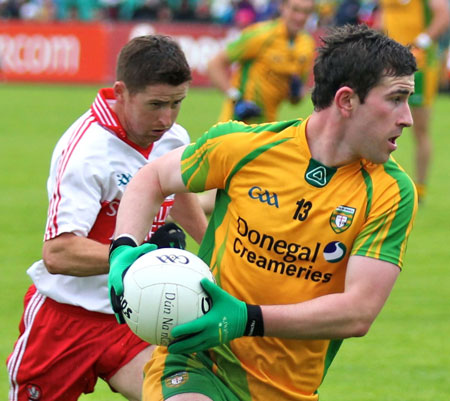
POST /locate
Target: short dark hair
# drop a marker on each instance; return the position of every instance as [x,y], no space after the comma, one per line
[357,56]
[150,60]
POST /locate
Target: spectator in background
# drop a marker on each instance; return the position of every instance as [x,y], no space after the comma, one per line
[183,10]
[39,10]
[244,14]
[147,9]
[222,11]
[10,9]
[153,10]
[347,12]
[266,9]
[118,9]
[83,10]
[419,23]
[203,13]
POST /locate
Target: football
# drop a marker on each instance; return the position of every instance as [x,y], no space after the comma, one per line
[162,290]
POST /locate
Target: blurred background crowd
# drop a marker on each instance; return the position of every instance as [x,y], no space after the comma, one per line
[231,12]
[219,11]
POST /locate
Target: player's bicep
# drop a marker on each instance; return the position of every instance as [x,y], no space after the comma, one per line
[74,199]
[369,281]
[168,169]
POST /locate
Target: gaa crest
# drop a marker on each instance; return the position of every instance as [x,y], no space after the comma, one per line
[342,218]
[177,379]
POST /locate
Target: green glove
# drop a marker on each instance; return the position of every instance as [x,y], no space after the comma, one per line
[228,318]
[123,253]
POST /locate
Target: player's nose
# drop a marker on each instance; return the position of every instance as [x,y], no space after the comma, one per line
[406,119]
[166,117]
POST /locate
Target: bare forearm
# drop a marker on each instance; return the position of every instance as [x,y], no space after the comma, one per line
[339,315]
[440,21]
[218,72]
[75,256]
[330,316]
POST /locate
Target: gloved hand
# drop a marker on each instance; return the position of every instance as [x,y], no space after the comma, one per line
[295,87]
[245,109]
[169,236]
[228,318]
[123,253]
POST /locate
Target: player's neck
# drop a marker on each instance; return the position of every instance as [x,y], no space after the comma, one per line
[325,135]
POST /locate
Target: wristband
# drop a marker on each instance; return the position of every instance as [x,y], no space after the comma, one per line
[255,323]
[233,94]
[423,40]
[124,239]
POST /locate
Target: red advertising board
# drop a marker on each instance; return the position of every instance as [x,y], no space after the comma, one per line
[87,52]
[69,52]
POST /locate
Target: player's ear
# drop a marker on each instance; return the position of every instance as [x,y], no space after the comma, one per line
[344,100]
[119,90]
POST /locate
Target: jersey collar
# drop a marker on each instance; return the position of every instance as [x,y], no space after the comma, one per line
[104,113]
[106,117]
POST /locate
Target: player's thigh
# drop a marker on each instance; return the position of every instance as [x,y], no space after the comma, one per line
[183,377]
[129,378]
[55,339]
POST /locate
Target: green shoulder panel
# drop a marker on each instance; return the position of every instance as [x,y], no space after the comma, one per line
[404,216]
[194,161]
[385,238]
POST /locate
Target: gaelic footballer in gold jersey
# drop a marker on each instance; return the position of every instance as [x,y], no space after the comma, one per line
[308,233]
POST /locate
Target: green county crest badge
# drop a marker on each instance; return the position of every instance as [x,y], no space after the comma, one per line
[177,379]
[342,218]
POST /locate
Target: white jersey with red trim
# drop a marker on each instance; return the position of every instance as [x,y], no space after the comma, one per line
[90,168]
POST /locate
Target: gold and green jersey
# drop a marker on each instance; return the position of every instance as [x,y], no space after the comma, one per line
[266,59]
[282,231]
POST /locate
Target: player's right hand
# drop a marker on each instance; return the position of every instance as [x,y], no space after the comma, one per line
[123,253]
[225,321]
[245,109]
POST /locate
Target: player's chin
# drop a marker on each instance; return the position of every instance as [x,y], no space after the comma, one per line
[157,134]
[379,158]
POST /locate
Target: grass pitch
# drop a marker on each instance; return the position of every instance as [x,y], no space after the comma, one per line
[405,356]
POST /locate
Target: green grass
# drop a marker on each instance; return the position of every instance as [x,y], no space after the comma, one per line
[405,356]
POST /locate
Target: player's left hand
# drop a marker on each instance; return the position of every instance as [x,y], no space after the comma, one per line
[226,320]
[169,236]
[245,109]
